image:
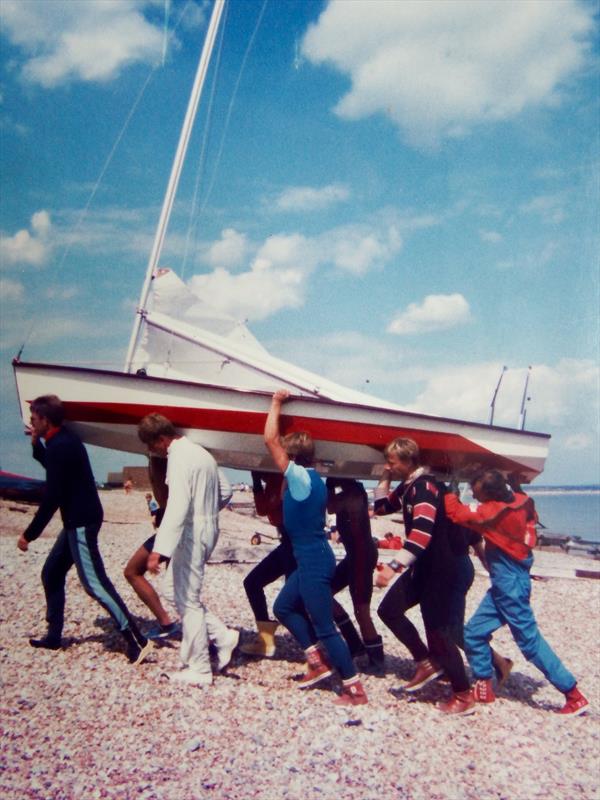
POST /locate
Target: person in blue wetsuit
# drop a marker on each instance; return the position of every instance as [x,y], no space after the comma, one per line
[305,603]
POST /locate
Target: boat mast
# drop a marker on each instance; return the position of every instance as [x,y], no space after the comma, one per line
[167,207]
[524,401]
[493,403]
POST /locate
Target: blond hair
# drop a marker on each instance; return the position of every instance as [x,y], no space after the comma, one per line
[300,447]
[404,449]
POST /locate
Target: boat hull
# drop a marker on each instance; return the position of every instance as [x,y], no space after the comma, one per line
[104,408]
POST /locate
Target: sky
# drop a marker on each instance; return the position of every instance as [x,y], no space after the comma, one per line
[402,196]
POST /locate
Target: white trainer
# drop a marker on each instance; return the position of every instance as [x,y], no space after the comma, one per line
[191,677]
[225,651]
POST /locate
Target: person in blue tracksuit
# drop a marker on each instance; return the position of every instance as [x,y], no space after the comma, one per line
[70,487]
[305,603]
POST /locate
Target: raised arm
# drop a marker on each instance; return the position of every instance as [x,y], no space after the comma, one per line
[272,435]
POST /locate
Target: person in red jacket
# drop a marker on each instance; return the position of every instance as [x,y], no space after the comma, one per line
[506,520]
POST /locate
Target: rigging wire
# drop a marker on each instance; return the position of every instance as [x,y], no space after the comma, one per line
[192,228]
[196,213]
[122,132]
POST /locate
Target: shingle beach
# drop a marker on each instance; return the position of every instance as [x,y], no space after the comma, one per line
[83,723]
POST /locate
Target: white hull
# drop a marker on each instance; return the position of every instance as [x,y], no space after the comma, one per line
[104,408]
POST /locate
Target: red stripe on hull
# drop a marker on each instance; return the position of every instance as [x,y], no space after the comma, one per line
[440,450]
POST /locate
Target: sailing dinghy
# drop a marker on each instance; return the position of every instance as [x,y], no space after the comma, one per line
[207,373]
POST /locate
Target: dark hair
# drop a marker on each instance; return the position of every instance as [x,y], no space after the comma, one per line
[153,426]
[493,485]
[300,447]
[50,407]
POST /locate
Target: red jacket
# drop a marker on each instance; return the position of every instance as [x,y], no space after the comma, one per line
[509,526]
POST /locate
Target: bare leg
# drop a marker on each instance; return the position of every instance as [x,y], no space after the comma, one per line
[135,573]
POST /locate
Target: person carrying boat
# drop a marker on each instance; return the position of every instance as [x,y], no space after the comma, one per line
[305,603]
[280,562]
[348,500]
[506,520]
[70,487]
[188,535]
[429,574]
[137,566]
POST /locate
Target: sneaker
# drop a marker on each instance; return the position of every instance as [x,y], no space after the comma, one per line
[317,669]
[164,631]
[191,677]
[426,672]
[576,703]
[460,703]
[353,694]
[225,651]
[47,643]
[482,691]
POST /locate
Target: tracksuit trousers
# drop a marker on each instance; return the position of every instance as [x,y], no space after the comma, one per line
[79,546]
[507,602]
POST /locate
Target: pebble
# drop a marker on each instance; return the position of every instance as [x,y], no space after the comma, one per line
[83,723]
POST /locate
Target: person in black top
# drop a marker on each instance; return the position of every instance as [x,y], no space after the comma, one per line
[347,499]
[429,570]
[70,487]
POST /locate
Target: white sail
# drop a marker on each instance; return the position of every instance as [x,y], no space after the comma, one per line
[187,339]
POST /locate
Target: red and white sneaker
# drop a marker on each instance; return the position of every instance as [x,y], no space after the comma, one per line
[426,672]
[576,703]
[483,691]
[353,694]
[317,669]
[459,703]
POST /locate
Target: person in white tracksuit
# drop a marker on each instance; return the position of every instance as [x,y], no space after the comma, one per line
[188,534]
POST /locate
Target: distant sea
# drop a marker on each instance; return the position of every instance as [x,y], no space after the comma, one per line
[569,510]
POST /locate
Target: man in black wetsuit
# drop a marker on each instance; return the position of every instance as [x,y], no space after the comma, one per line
[70,487]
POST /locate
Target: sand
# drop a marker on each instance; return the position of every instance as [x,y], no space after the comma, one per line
[83,723]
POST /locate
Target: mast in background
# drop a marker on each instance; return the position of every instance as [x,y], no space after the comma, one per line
[167,207]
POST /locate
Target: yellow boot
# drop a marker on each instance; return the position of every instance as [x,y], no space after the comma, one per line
[264,641]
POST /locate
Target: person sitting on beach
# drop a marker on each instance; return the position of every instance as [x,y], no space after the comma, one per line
[188,535]
[305,603]
[506,520]
[280,562]
[70,487]
[348,500]
[429,574]
[136,568]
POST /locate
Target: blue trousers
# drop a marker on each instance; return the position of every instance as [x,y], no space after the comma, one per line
[305,606]
[507,602]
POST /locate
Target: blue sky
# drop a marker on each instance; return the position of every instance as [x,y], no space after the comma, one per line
[402,196]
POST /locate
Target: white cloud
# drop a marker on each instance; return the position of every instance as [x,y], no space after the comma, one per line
[492,237]
[85,40]
[28,248]
[439,68]
[360,248]
[278,269]
[229,251]
[276,279]
[549,207]
[61,292]
[562,395]
[436,312]
[578,441]
[308,198]
[11,291]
